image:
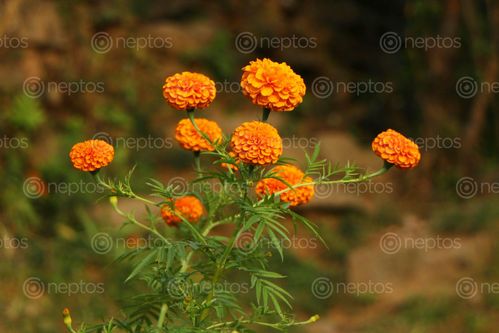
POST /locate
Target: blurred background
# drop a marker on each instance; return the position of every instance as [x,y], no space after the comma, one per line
[412,251]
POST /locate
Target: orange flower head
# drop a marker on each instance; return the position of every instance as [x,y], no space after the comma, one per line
[189,90]
[256,143]
[190,139]
[272,85]
[231,166]
[292,176]
[396,149]
[91,155]
[189,207]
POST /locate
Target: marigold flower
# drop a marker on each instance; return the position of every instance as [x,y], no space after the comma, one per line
[257,143]
[272,85]
[189,90]
[91,155]
[187,136]
[291,175]
[189,207]
[396,149]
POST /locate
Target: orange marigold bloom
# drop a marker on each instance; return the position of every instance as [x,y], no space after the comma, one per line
[190,139]
[293,176]
[272,85]
[256,142]
[189,90]
[189,207]
[396,149]
[91,155]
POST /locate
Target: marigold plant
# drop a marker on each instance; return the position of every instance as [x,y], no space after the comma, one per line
[256,193]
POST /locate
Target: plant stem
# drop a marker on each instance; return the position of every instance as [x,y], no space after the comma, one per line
[162,315]
[362,178]
[273,325]
[265,114]
[197,163]
[137,223]
[204,233]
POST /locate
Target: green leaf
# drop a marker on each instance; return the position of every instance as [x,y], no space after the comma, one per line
[146,261]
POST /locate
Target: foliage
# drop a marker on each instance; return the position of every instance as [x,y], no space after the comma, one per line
[187,277]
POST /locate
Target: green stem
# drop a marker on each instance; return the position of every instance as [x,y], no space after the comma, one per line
[221,265]
[128,195]
[220,268]
[204,233]
[277,326]
[265,114]
[381,171]
[197,163]
[137,223]
[362,178]
[190,115]
[162,315]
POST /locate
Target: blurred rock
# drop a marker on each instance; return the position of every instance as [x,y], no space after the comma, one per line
[38,21]
[181,37]
[414,261]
